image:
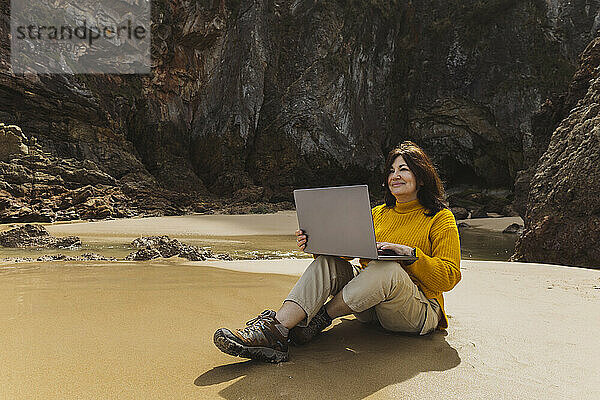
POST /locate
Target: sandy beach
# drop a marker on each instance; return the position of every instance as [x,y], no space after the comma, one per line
[185,226]
[134,330]
[144,330]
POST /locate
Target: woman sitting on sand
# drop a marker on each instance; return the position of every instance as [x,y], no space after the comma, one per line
[400,296]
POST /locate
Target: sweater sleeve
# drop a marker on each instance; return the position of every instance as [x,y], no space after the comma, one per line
[440,272]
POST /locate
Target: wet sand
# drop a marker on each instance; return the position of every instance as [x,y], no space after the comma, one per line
[144,330]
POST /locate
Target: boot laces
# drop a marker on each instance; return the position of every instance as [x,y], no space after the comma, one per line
[263,315]
[257,327]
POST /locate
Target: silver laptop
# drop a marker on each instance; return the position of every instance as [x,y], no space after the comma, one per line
[338,222]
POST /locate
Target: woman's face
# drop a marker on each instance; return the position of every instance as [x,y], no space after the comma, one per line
[401,181]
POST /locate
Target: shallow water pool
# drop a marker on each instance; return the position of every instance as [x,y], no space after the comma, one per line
[476,244]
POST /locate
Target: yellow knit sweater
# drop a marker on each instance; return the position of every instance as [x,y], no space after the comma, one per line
[436,239]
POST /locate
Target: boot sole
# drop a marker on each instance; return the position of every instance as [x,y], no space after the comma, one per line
[234,348]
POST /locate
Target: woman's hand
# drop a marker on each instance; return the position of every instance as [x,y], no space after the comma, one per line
[399,249]
[301,239]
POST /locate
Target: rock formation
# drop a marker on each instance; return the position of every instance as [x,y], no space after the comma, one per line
[152,247]
[546,120]
[277,95]
[562,223]
[30,235]
[513,229]
[38,187]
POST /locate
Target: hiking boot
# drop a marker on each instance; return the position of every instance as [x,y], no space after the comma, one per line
[299,335]
[261,339]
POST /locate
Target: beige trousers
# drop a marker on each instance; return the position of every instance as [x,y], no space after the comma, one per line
[381,293]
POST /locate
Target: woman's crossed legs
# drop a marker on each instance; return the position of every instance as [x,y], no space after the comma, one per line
[383,292]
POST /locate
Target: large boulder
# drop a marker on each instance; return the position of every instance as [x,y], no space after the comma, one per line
[562,223]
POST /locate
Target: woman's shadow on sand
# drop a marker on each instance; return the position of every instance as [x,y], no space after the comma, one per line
[349,361]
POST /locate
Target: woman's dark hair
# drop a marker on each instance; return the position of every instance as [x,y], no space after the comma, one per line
[430,190]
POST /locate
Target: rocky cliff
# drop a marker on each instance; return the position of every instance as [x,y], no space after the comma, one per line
[258,97]
[562,222]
